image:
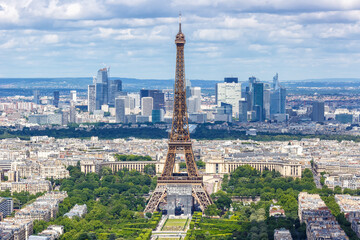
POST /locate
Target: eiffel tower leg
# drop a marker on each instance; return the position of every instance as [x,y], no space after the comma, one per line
[201,196]
[158,196]
[190,161]
[170,161]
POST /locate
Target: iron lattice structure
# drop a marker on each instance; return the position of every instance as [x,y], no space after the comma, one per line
[179,141]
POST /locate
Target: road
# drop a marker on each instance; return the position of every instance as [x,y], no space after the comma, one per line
[316,179]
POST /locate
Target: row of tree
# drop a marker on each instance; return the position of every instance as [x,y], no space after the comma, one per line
[132,158]
[202,132]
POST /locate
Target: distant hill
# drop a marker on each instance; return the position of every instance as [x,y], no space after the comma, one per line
[57,83]
[81,83]
[24,86]
[328,80]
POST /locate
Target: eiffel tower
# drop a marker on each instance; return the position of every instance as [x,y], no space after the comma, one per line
[179,141]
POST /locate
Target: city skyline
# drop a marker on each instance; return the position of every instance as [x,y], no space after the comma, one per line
[124,164]
[225,38]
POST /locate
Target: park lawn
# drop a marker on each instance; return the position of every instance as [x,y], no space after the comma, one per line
[169,238]
[174,225]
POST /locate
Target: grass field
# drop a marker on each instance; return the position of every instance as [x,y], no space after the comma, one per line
[174,225]
[168,238]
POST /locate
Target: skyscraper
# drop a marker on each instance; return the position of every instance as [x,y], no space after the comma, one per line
[248,98]
[193,99]
[147,106]
[266,101]
[224,112]
[278,101]
[91,98]
[99,96]
[276,83]
[102,77]
[101,88]
[282,100]
[243,108]
[277,97]
[157,95]
[231,80]
[72,115]
[196,91]
[258,100]
[157,115]
[36,98]
[56,98]
[188,88]
[229,92]
[65,117]
[159,100]
[252,80]
[193,104]
[136,99]
[120,110]
[115,90]
[318,110]
[73,96]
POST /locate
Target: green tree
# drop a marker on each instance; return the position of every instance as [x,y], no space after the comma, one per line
[150,169]
[337,190]
[200,164]
[39,226]
[105,171]
[182,165]
[212,210]
[223,201]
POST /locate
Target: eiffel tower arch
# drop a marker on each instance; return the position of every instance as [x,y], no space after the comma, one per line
[179,142]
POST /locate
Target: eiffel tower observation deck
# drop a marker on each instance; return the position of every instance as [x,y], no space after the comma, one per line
[179,142]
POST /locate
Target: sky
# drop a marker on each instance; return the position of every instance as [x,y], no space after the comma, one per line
[74,38]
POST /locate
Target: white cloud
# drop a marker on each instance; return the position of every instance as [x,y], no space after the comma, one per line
[216,34]
[9,44]
[132,34]
[259,48]
[8,13]
[50,38]
[220,31]
[341,31]
[131,3]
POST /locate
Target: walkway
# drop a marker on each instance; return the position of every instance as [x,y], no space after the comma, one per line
[159,233]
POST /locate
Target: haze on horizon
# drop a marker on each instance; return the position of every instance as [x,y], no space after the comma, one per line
[74,38]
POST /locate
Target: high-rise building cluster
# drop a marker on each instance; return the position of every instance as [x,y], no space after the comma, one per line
[103,91]
[106,95]
[254,101]
[250,105]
